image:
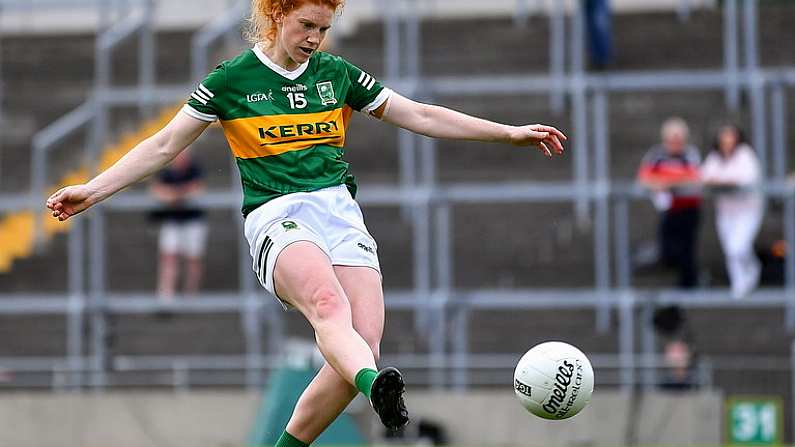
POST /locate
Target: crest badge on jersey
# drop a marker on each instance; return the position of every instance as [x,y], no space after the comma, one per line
[326,91]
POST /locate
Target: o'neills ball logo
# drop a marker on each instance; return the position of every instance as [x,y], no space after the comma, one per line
[569,375]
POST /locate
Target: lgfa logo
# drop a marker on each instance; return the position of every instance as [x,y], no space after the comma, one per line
[257,97]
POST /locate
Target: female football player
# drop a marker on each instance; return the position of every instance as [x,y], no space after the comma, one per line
[284,107]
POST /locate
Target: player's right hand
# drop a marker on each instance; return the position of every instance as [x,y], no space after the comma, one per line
[71,200]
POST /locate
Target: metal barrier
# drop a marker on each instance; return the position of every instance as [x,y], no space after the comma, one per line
[180,371]
[94,112]
[427,203]
[447,309]
[201,41]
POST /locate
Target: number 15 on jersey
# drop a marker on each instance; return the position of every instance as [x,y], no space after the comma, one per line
[297,100]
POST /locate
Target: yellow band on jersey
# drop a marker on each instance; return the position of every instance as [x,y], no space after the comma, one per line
[265,136]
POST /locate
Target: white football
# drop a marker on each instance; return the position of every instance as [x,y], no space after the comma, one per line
[553,380]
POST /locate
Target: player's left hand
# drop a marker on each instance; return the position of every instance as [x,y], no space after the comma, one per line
[546,138]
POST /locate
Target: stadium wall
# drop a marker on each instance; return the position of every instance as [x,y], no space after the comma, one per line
[611,419]
[143,419]
[133,419]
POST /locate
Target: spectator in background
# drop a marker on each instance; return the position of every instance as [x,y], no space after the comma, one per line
[183,230]
[671,326]
[678,362]
[670,170]
[598,25]
[732,170]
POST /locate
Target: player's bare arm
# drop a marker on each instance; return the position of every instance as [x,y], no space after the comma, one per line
[440,122]
[144,159]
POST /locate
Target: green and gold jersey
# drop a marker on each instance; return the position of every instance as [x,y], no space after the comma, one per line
[286,129]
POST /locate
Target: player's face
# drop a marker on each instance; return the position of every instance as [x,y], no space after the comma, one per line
[302,31]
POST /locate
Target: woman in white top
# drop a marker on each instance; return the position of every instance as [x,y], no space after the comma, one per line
[732,171]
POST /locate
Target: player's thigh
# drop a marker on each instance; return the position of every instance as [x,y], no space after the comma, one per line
[363,288]
[304,278]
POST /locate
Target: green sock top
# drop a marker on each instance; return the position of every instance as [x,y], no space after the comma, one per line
[364,380]
[288,440]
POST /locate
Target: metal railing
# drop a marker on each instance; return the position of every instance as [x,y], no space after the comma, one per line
[447,308]
[205,37]
[184,372]
[135,18]
[94,112]
[428,204]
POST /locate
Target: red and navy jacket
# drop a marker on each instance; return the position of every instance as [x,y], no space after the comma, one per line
[681,171]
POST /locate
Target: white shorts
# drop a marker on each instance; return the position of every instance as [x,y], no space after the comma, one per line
[186,238]
[329,218]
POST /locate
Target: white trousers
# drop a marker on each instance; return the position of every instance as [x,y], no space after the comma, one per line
[737,230]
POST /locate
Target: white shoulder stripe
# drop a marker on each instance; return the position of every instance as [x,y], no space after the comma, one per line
[361,77]
[199,98]
[365,79]
[202,95]
[206,91]
[370,84]
[190,111]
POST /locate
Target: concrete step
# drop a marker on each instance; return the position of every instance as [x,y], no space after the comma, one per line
[717,332]
[32,336]
[513,331]
[186,335]
[70,58]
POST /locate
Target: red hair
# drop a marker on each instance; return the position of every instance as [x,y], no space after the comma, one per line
[262,25]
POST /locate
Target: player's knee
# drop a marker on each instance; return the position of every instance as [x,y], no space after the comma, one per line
[328,303]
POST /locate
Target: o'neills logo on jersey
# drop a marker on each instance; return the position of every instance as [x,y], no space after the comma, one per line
[297,88]
[320,129]
[568,375]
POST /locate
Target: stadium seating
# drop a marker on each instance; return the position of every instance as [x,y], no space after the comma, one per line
[494,245]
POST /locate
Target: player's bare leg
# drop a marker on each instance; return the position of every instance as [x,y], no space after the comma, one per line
[305,278]
[320,404]
[363,285]
[328,394]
